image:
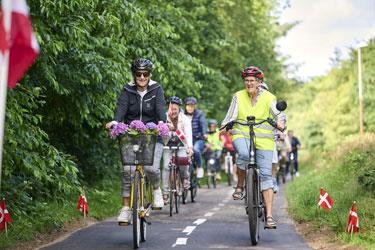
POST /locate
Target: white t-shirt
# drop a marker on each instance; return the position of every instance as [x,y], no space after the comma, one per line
[142,93]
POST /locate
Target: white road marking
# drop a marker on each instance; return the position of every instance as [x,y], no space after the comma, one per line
[216,209]
[189,229]
[199,221]
[221,205]
[208,214]
[180,241]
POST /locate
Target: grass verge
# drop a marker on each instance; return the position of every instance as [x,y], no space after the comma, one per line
[348,175]
[49,216]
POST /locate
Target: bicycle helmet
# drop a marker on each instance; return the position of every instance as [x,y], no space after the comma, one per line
[142,64]
[212,122]
[252,71]
[176,100]
[191,100]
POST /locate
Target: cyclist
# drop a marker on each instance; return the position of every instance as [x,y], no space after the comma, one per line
[257,102]
[177,121]
[295,145]
[199,127]
[214,145]
[228,147]
[141,99]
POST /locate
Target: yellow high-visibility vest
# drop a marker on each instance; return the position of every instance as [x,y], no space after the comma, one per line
[264,133]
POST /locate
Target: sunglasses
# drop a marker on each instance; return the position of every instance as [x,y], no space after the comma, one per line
[145,74]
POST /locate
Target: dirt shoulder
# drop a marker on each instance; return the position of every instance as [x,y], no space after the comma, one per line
[322,238]
[43,240]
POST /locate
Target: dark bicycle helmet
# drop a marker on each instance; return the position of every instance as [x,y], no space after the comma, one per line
[212,122]
[142,64]
[191,100]
[176,100]
[252,71]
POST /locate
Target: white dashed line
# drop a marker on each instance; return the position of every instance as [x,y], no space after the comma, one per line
[209,214]
[180,241]
[199,221]
[189,229]
[215,209]
[221,205]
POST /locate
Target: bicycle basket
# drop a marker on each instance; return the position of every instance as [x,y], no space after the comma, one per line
[145,152]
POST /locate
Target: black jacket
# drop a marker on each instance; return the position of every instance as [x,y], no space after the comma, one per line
[150,108]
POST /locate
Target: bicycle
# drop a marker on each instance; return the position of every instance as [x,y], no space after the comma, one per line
[211,169]
[194,184]
[254,205]
[138,151]
[175,187]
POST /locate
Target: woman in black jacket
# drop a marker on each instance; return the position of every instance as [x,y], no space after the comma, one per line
[141,99]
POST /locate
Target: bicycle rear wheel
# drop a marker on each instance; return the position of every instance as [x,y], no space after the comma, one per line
[229,174]
[135,209]
[143,221]
[252,197]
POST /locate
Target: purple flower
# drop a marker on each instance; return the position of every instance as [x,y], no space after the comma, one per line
[138,125]
[163,129]
[118,129]
[151,126]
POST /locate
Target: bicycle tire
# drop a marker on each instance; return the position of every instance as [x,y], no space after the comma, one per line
[171,192]
[135,209]
[177,196]
[214,180]
[143,222]
[252,196]
[193,189]
[229,174]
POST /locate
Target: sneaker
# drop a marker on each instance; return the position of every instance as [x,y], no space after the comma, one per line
[297,174]
[275,186]
[125,215]
[166,199]
[158,199]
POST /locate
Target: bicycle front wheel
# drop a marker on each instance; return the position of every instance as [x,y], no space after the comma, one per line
[171,191]
[177,193]
[252,194]
[135,209]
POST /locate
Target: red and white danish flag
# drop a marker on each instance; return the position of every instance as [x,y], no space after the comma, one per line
[20,41]
[82,204]
[324,200]
[4,215]
[353,221]
[180,135]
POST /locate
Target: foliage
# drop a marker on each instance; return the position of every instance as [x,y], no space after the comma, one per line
[328,105]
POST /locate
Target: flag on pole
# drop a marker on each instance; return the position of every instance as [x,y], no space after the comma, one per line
[3,40]
[180,135]
[324,200]
[82,204]
[4,215]
[353,221]
[23,46]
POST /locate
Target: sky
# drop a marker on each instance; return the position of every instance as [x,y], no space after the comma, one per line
[325,26]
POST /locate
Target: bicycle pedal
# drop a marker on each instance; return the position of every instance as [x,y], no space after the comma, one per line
[147,222]
[121,223]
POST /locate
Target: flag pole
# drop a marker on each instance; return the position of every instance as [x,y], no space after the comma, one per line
[4,64]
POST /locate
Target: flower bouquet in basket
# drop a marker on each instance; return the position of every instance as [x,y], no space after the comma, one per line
[137,140]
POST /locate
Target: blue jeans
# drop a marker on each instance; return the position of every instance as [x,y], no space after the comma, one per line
[264,161]
[198,150]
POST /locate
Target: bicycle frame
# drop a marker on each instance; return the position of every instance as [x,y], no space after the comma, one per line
[144,208]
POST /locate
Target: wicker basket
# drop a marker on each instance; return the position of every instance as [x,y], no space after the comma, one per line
[137,149]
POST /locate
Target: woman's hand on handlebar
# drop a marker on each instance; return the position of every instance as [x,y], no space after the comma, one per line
[109,125]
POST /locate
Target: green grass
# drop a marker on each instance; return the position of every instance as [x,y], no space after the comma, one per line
[104,201]
[339,175]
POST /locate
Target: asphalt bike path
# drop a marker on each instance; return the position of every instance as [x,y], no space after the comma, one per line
[214,221]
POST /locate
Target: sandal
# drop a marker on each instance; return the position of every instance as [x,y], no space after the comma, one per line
[238,195]
[270,223]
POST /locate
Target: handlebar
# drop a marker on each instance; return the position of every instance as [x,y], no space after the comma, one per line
[251,122]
